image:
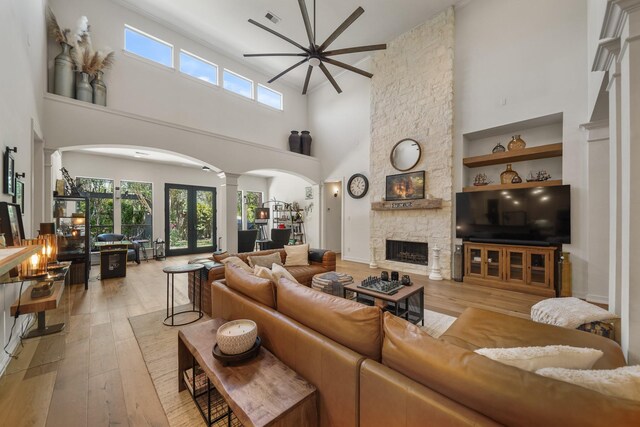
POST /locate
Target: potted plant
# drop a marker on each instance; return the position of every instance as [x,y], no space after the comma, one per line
[63,69]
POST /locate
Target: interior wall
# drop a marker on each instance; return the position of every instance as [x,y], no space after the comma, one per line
[141,87]
[90,165]
[516,60]
[290,189]
[340,125]
[21,87]
[332,212]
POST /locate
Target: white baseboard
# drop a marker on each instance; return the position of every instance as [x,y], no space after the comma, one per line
[597,299]
[355,259]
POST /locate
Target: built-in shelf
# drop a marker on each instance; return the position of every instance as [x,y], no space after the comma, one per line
[531,153]
[548,183]
[406,205]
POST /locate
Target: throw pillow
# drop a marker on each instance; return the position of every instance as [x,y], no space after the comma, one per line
[621,382]
[264,273]
[568,312]
[219,257]
[297,255]
[265,260]
[552,356]
[278,272]
[234,260]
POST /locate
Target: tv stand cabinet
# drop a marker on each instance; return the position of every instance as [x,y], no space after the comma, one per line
[528,269]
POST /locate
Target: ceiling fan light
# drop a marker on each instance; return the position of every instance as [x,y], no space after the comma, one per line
[314,62]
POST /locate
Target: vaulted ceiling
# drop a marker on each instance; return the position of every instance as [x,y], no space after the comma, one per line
[223,24]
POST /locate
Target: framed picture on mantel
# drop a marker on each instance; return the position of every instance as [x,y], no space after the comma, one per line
[405,186]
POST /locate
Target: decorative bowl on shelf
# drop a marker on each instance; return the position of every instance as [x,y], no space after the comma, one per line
[237,336]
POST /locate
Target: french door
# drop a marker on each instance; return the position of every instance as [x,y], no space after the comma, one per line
[190,219]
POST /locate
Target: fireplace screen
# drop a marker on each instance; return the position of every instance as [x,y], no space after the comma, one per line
[409,252]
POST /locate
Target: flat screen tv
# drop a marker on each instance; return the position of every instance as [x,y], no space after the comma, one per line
[540,214]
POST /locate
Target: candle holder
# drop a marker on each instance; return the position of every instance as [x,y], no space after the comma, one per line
[50,238]
[35,268]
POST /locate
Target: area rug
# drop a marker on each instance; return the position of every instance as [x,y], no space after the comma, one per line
[158,344]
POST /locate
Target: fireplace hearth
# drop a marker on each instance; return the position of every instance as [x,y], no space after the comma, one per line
[409,252]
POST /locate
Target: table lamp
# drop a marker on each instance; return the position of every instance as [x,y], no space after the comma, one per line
[48,234]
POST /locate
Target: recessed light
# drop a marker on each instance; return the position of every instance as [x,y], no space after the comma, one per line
[206,168]
[139,154]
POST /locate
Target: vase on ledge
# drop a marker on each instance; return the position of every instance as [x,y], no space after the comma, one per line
[63,72]
[294,142]
[84,91]
[305,142]
[99,90]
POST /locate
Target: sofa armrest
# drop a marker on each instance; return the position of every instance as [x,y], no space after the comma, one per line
[325,257]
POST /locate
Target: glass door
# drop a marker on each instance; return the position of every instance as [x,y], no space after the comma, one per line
[516,265]
[190,219]
[474,260]
[538,268]
[494,264]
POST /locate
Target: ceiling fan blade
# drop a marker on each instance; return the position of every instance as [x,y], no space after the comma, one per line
[347,67]
[288,69]
[306,80]
[355,49]
[355,15]
[330,77]
[307,22]
[251,55]
[275,33]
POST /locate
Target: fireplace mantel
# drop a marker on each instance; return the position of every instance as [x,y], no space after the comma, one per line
[399,205]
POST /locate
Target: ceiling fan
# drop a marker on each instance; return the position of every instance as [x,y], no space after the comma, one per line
[316,55]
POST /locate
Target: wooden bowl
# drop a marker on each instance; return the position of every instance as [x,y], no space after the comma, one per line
[237,336]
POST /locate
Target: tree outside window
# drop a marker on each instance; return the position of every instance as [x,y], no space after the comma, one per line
[136,209]
[100,192]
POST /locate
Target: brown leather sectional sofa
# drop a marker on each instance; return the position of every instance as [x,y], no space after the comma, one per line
[320,261]
[374,369]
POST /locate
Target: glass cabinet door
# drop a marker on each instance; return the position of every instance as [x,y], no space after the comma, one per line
[494,264]
[515,265]
[474,261]
[538,268]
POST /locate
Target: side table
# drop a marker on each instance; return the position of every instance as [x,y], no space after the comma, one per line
[259,392]
[182,269]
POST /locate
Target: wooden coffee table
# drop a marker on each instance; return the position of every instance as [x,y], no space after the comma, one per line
[259,392]
[397,304]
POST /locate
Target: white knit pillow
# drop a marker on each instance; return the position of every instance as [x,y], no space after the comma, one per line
[297,255]
[551,356]
[278,271]
[622,382]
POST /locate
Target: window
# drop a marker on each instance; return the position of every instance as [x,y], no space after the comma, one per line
[237,84]
[269,97]
[100,192]
[136,213]
[248,201]
[199,68]
[149,47]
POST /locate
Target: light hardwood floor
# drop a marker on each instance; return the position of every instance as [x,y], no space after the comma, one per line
[93,373]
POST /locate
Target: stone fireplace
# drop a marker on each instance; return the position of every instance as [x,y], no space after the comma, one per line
[412,97]
[407,252]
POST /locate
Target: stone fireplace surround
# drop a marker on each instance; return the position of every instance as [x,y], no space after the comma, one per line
[412,97]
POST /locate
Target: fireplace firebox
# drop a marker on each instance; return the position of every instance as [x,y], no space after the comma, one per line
[409,252]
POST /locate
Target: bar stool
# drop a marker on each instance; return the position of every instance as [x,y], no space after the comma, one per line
[183,269]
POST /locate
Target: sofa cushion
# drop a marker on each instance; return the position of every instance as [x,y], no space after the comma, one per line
[265,260]
[506,394]
[552,356]
[349,323]
[621,382]
[256,288]
[476,328]
[297,255]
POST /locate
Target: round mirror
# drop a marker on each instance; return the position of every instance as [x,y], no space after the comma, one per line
[405,154]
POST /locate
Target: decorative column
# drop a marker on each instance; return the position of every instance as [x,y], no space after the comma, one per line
[228,216]
[435,269]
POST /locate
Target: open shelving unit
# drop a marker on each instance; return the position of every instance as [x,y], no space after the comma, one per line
[532,184]
[530,153]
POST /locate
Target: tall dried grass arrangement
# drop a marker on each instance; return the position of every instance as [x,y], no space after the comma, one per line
[59,34]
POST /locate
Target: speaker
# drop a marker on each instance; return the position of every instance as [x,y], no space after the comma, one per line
[457,263]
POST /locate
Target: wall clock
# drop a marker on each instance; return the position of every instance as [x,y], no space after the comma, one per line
[358,186]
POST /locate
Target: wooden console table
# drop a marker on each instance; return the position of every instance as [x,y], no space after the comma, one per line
[259,392]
